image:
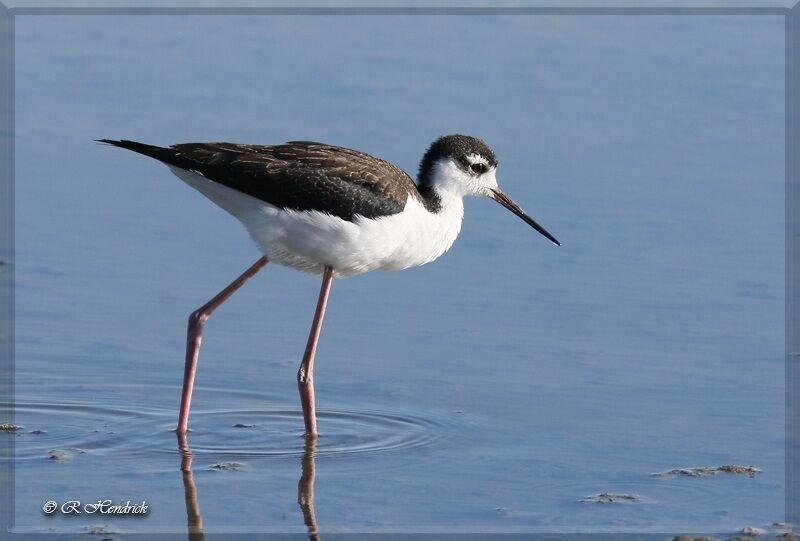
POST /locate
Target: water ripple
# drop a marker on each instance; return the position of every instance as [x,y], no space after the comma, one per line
[77,429]
[243,433]
[279,432]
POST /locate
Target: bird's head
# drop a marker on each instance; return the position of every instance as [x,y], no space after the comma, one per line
[459,165]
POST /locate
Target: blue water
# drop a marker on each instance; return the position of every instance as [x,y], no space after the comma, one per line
[490,391]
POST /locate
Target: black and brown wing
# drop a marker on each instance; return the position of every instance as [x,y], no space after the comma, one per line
[298,175]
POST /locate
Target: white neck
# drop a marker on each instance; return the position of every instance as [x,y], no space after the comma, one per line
[422,235]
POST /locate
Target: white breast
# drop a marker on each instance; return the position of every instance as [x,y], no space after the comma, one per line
[310,240]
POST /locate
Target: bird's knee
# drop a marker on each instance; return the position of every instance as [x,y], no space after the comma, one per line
[303,377]
[197,318]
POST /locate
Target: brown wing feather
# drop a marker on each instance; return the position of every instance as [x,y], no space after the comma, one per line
[298,175]
[304,175]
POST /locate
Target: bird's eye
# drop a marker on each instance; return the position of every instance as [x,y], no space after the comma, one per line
[478,168]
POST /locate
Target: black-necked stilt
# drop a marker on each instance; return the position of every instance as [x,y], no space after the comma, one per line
[330,211]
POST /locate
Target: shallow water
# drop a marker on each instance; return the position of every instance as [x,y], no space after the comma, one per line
[491,391]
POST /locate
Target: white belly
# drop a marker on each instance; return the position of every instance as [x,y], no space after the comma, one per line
[310,240]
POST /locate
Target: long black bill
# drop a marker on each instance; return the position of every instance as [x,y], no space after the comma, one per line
[507,202]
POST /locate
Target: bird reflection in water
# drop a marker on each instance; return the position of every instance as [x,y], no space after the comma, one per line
[193,516]
[305,489]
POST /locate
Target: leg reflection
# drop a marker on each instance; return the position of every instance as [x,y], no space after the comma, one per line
[305,487]
[193,516]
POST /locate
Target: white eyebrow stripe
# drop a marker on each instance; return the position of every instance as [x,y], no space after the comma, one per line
[477,158]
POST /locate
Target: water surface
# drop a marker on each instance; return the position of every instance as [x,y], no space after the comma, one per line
[491,391]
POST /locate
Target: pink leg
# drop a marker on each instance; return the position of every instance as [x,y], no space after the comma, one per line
[305,376]
[197,320]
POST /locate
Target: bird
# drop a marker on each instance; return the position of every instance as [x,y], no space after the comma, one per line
[331,212]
